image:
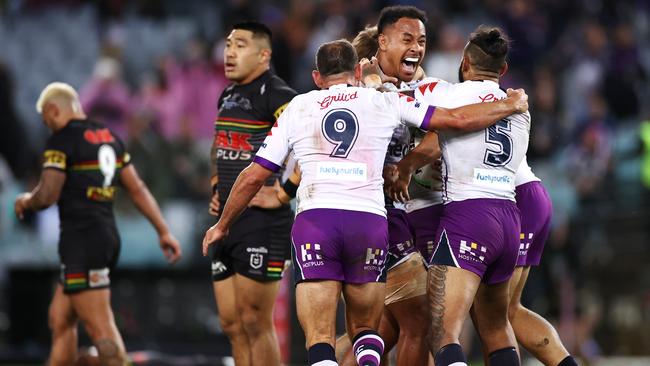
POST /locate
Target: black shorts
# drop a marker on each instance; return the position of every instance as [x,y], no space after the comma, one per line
[257,246]
[88,255]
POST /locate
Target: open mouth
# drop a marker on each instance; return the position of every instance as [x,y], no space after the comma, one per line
[229,66]
[410,64]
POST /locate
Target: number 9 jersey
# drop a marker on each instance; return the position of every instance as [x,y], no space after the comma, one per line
[480,164]
[92,158]
[339,137]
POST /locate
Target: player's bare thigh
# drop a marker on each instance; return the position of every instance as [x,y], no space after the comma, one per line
[62,321]
[94,310]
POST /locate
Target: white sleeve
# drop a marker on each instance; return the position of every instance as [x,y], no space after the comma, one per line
[410,111]
[432,91]
[275,147]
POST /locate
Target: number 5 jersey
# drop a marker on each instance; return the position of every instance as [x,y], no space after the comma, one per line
[481,164]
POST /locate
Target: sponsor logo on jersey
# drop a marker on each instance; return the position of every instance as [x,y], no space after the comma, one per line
[232,140]
[98,277]
[357,172]
[100,194]
[218,267]
[402,247]
[375,259]
[524,246]
[235,100]
[54,159]
[397,149]
[96,137]
[341,97]
[311,255]
[472,252]
[494,178]
[489,98]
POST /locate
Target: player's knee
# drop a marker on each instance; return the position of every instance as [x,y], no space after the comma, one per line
[110,353]
[59,323]
[513,309]
[232,327]
[255,321]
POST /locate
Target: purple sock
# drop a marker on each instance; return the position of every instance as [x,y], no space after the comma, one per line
[368,348]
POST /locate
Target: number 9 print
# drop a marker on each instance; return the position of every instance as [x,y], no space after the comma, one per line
[107,163]
[341,128]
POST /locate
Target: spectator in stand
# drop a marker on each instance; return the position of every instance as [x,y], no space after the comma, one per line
[105,96]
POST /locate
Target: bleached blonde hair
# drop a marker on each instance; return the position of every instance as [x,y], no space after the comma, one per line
[61,94]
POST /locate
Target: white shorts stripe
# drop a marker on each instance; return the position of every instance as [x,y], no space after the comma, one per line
[325,363]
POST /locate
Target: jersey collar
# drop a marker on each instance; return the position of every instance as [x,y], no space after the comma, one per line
[339,86]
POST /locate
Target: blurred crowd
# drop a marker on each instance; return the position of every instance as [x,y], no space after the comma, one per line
[152,71]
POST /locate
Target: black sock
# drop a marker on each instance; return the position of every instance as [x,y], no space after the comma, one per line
[450,354]
[321,352]
[568,361]
[504,357]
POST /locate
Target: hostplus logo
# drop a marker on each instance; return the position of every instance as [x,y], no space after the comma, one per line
[375,259]
[472,252]
[524,246]
[311,255]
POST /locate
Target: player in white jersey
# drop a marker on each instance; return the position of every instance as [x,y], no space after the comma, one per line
[477,243]
[405,319]
[534,332]
[339,137]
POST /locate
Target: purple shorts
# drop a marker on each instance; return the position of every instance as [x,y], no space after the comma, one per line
[339,245]
[481,236]
[400,239]
[536,211]
[424,225]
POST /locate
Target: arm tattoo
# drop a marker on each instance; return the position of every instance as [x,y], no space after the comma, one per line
[437,276]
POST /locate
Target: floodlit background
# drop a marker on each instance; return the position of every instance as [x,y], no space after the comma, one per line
[152,71]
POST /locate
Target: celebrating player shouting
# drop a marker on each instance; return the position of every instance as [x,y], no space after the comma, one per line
[339,136]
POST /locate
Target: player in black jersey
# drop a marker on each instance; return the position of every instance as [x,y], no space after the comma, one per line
[247,265]
[83,162]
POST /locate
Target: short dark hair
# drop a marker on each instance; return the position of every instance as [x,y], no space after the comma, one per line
[488,48]
[336,57]
[258,29]
[366,43]
[391,14]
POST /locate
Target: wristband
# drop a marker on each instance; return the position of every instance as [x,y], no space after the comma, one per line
[290,188]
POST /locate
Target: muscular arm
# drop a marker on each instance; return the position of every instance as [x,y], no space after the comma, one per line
[46,193]
[295,178]
[249,181]
[475,117]
[426,152]
[148,206]
[142,198]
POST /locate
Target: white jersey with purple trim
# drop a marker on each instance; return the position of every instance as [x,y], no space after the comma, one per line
[339,136]
[525,174]
[479,164]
